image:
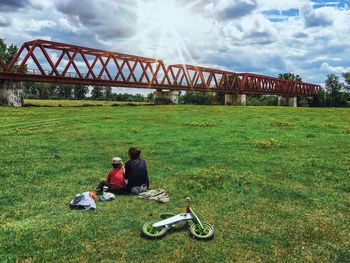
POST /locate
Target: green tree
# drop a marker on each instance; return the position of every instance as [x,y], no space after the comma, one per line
[150,97]
[107,93]
[261,100]
[139,98]
[334,95]
[7,52]
[197,97]
[44,90]
[333,85]
[34,90]
[320,100]
[346,77]
[31,90]
[64,91]
[97,93]
[80,91]
[290,76]
[3,49]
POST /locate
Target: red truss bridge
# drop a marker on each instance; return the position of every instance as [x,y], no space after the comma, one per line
[53,62]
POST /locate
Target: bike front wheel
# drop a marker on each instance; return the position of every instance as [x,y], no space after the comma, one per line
[206,233]
[148,231]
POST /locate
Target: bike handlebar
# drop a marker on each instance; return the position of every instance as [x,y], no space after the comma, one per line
[188,201]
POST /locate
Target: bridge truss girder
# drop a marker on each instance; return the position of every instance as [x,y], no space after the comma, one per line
[54,62]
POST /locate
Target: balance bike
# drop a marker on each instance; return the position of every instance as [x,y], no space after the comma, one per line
[157,229]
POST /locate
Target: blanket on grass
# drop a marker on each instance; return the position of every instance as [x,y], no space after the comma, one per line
[159,195]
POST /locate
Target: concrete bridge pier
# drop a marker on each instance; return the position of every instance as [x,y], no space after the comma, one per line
[293,102]
[287,101]
[236,99]
[162,97]
[11,93]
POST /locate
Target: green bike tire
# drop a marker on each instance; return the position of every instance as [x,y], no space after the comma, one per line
[206,234]
[150,232]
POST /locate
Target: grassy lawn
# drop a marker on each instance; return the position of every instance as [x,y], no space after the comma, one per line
[274,182]
[76,103]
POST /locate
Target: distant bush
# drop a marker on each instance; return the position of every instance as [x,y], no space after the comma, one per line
[266,143]
[196,97]
[328,125]
[200,123]
[163,101]
[206,179]
[304,102]
[281,123]
[262,101]
[326,98]
[31,96]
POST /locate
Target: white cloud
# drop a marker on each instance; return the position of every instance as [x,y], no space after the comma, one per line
[315,18]
[227,9]
[38,25]
[241,38]
[333,69]
[105,18]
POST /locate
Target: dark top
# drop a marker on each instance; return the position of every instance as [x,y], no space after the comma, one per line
[136,173]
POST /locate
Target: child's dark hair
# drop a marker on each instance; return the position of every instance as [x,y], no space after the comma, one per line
[134,153]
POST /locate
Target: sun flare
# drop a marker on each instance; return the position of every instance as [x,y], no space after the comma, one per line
[167,22]
[166,16]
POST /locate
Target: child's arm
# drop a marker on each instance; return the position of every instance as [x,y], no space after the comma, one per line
[109,178]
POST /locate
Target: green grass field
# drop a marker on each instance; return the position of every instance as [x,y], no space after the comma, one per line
[274,182]
[77,103]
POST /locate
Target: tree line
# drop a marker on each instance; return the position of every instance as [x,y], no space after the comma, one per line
[336,93]
[35,90]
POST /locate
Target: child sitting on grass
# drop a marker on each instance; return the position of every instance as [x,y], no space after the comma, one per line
[115,182]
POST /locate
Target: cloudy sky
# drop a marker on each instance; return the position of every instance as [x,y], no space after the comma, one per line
[309,38]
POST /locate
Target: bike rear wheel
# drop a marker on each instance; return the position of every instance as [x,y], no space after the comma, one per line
[148,231]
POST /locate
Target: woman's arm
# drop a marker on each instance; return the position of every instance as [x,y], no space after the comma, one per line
[147,181]
[126,170]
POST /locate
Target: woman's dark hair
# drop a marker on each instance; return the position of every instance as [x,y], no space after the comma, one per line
[134,153]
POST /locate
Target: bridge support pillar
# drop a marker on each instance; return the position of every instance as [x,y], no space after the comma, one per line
[293,102]
[287,101]
[165,97]
[228,99]
[11,93]
[236,99]
[242,100]
[281,101]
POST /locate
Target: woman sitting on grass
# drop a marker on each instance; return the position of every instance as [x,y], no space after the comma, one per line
[115,182]
[136,172]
